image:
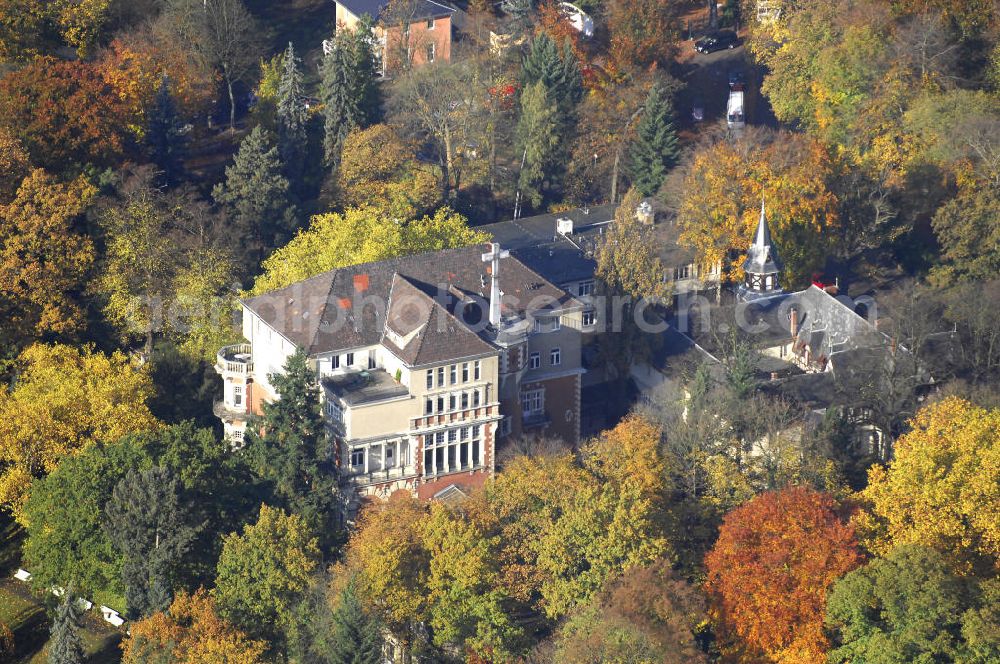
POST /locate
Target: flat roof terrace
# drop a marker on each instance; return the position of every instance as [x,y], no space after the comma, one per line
[363,387]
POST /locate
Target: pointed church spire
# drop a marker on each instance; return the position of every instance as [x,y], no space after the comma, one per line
[763,236]
[762,266]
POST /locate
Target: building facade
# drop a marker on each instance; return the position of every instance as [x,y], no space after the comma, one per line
[423,362]
[408,32]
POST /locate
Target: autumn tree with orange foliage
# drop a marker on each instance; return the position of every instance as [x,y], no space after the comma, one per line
[64,114]
[721,198]
[643,32]
[190,632]
[134,64]
[769,573]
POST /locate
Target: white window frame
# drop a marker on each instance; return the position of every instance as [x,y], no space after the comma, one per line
[590,314]
[532,402]
[431,51]
[535,360]
[555,356]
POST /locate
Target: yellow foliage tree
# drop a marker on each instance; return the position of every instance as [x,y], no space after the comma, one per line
[43,259]
[64,400]
[190,632]
[942,489]
[361,235]
[723,193]
[14,165]
[392,564]
[379,169]
[81,22]
[464,594]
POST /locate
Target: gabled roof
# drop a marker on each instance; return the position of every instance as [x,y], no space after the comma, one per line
[419,330]
[762,256]
[417,10]
[346,308]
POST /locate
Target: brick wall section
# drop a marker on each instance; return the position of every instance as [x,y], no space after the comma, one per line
[419,39]
[466,481]
[562,403]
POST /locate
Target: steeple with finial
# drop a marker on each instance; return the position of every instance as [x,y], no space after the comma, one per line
[762,267]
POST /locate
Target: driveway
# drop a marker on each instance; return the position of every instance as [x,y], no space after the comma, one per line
[707,78]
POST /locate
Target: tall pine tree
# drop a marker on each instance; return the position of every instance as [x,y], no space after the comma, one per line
[292,117]
[65,644]
[654,150]
[357,637]
[559,72]
[538,140]
[288,447]
[255,193]
[150,528]
[165,139]
[350,96]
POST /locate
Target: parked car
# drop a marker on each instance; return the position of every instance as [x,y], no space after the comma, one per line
[717,41]
[698,110]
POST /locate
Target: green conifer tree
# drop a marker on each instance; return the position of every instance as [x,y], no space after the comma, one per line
[357,637]
[348,88]
[148,525]
[538,140]
[560,74]
[654,151]
[164,137]
[292,117]
[65,644]
[288,447]
[255,193]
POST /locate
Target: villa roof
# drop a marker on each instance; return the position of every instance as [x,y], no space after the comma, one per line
[417,10]
[346,307]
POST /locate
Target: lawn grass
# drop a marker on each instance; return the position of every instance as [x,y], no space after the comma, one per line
[25,613]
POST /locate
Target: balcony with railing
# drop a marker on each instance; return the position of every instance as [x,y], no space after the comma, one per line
[361,478]
[236,359]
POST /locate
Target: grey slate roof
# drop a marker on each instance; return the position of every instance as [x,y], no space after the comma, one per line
[346,308]
[418,9]
[437,333]
[560,259]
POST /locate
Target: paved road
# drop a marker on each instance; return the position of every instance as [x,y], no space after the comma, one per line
[707,78]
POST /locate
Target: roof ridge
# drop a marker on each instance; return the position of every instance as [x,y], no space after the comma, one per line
[322,311]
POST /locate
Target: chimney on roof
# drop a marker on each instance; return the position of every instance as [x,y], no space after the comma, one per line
[794,323]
